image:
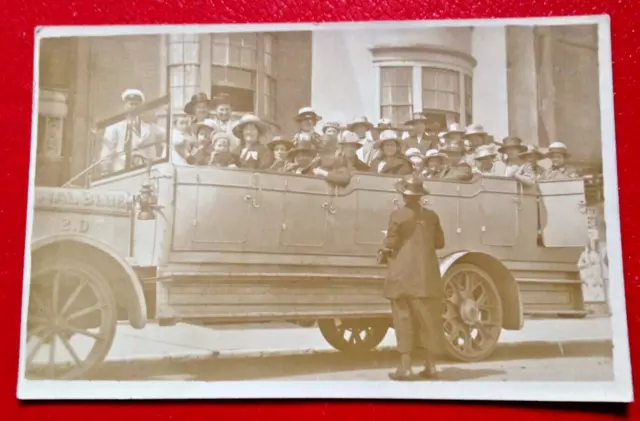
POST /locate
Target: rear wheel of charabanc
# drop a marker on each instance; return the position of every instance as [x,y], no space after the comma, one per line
[354,335]
[72,318]
[473,314]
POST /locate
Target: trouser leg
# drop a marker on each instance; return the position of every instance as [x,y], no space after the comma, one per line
[426,319]
[403,324]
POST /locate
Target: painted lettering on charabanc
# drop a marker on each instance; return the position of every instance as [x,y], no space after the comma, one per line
[80,199]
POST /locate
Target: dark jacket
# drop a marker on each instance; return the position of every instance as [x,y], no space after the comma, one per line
[277,166]
[340,169]
[224,159]
[456,173]
[398,165]
[414,234]
[265,158]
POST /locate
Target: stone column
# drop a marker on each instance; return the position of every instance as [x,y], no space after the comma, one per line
[522,84]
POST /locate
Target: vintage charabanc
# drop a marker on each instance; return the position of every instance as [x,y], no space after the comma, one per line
[204,245]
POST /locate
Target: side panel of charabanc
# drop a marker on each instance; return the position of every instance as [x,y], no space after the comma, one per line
[249,245]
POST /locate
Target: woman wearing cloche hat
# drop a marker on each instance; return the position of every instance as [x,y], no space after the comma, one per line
[413,283]
[558,153]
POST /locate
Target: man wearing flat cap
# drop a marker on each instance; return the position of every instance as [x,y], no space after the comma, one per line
[131,142]
[413,283]
[224,120]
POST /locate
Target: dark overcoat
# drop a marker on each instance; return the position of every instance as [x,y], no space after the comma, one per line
[264,161]
[398,165]
[414,234]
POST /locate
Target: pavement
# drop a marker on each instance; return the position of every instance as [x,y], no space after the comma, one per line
[181,342]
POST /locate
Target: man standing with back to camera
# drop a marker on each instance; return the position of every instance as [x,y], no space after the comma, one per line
[413,283]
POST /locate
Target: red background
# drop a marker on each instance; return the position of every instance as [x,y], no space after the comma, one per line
[17,34]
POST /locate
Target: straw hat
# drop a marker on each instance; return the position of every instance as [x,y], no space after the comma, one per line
[532,150]
[512,142]
[364,121]
[413,152]
[131,94]
[454,128]
[331,124]
[475,129]
[484,151]
[386,136]
[558,147]
[349,138]
[433,153]
[417,118]
[307,112]
[248,119]
[279,140]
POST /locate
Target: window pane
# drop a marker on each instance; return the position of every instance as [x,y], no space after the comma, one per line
[441,89]
[249,40]
[242,100]
[228,76]
[429,99]
[396,89]
[176,76]
[218,73]
[248,60]
[191,53]
[219,54]
[268,43]
[178,99]
[175,53]
[235,56]
[191,75]
[398,114]
[394,76]
[222,39]
[268,64]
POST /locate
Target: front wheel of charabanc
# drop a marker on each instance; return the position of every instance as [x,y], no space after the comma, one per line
[473,313]
[354,335]
[72,318]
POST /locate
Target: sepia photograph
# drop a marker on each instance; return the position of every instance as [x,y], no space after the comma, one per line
[384,210]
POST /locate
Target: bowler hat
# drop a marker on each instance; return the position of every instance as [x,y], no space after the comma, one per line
[411,186]
[512,142]
[197,99]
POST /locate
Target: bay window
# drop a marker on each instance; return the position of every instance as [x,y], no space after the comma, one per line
[425,78]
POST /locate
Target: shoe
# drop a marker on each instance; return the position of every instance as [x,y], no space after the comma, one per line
[428,373]
[402,376]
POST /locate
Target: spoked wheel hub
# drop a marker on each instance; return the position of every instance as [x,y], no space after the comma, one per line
[71,320]
[473,313]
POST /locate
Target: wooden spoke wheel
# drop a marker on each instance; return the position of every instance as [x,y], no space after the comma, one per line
[71,321]
[354,335]
[472,313]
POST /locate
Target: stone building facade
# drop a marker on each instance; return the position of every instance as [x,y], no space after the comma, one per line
[539,83]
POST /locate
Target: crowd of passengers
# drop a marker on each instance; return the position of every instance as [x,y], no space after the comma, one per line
[208,135]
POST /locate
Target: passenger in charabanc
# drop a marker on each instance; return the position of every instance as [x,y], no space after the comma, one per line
[419,137]
[224,120]
[417,160]
[383,124]
[455,169]
[328,147]
[182,140]
[484,161]
[435,163]
[201,153]
[455,135]
[280,148]
[131,142]
[254,154]
[413,283]
[558,153]
[199,108]
[222,155]
[511,149]
[302,158]
[338,169]
[391,160]
[530,172]
[361,126]
[331,131]
[307,120]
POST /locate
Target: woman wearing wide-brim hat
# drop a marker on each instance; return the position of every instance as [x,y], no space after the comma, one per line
[254,154]
[558,154]
[338,169]
[390,160]
[413,284]
[484,157]
[302,159]
[280,148]
[307,119]
[456,169]
[199,107]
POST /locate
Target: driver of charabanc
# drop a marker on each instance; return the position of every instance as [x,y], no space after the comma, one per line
[558,153]
[222,155]
[484,161]
[511,149]
[413,283]
[302,158]
[199,108]
[337,170]
[391,160]
[254,155]
[200,154]
[130,142]
[434,162]
[417,160]
[280,148]
[307,120]
[530,172]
